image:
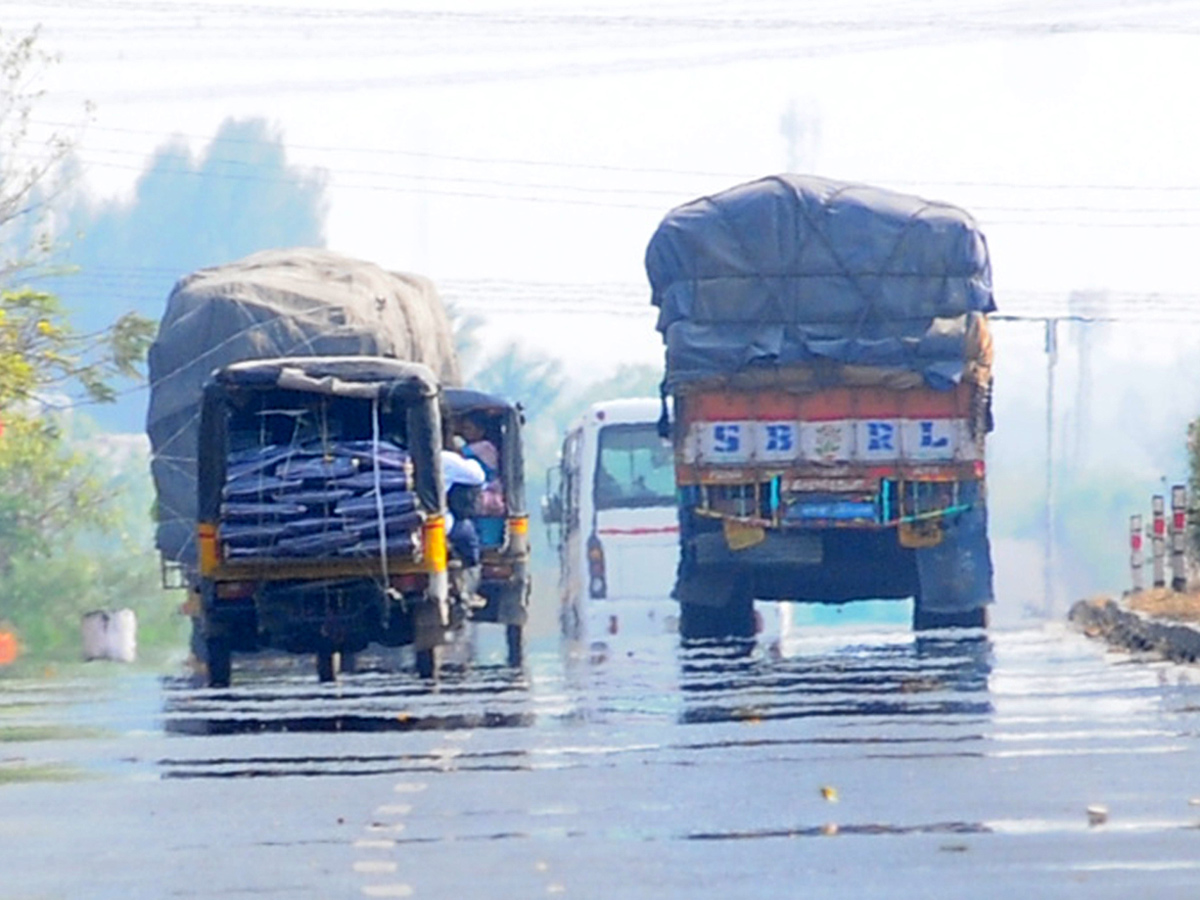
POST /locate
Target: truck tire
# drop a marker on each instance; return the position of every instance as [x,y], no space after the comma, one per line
[955,576]
[514,636]
[427,663]
[733,619]
[326,670]
[220,660]
[930,620]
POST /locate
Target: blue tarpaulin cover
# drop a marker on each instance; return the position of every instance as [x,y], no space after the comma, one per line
[796,270]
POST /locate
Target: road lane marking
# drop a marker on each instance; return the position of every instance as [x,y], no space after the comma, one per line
[394,809]
[380,827]
[375,866]
[387,890]
[374,844]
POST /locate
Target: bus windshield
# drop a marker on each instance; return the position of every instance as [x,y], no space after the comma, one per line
[634,468]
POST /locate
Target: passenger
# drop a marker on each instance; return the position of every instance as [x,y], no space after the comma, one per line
[473,429]
[463,479]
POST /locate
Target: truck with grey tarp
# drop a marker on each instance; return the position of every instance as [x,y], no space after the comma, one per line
[829,360]
[295,429]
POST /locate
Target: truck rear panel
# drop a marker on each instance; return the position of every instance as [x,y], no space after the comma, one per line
[835,458]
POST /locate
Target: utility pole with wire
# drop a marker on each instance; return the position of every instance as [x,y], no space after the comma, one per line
[801,130]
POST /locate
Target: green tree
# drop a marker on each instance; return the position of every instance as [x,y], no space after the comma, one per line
[52,493]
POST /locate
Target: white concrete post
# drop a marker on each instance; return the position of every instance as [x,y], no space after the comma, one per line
[1135,552]
[1178,536]
[1158,536]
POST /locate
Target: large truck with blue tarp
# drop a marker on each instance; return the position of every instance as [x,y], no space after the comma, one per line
[830,366]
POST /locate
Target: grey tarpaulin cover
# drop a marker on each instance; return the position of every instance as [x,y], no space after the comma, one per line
[294,302]
[800,271]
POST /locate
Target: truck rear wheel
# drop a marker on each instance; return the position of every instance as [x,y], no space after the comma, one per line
[427,663]
[220,660]
[515,638]
[326,670]
[968,618]
[733,619]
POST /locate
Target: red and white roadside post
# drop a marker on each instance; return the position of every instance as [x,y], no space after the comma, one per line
[1158,539]
[1135,552]
[1178,536]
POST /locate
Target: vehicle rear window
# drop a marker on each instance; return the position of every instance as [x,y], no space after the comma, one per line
[634,468]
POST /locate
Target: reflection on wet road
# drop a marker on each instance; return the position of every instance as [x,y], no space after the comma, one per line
[954,765]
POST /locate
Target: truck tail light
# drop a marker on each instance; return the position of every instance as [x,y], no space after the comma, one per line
[208,554]
[518,534]
[433,543]
[597,585]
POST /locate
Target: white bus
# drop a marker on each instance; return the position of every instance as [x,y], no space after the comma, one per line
[612,499]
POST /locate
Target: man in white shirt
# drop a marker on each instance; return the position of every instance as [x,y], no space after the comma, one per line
[463,478]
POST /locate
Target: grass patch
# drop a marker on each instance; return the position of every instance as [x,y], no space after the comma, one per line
[23,734]
[31,774]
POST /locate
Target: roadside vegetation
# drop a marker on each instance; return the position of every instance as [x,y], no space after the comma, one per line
[76,500]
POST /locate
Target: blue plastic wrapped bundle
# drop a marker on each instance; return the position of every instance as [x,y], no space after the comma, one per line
[258,485]
[323,543]
[397,544]
[326,469]
[365,528]
[311,525]
[274,512]
[389,480]
[315,498]
[241,463]
[366,505]
[249,535]
[387,454]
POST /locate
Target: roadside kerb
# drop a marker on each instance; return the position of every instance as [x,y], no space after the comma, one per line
[1129,629]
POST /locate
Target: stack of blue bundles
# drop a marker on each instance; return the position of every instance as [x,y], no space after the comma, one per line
[347,498]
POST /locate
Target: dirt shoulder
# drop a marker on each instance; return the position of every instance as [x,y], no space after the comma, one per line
[1164,603]
[1159,621]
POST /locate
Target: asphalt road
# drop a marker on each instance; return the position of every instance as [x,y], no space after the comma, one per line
[855,761]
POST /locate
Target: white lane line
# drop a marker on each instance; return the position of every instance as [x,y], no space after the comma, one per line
[410,787]
[386,827]
[387,890]
[394,809]
[374,844]
[375,866]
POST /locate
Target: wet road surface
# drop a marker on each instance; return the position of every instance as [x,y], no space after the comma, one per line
[857,761]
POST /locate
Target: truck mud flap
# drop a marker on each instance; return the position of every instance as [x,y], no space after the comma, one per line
[956,574]
[777,548]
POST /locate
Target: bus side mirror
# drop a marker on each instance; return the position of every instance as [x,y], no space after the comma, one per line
[552,511]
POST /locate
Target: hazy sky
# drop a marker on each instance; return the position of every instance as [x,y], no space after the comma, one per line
[521,154]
